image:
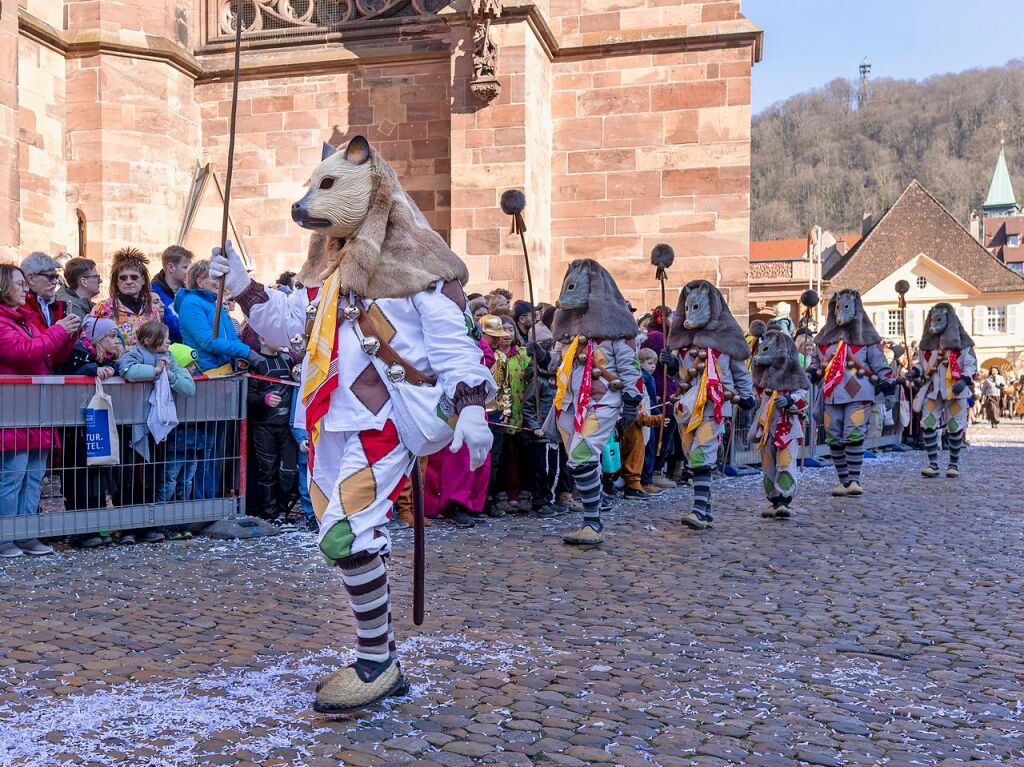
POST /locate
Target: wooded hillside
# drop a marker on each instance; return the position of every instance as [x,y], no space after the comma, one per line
[819,159]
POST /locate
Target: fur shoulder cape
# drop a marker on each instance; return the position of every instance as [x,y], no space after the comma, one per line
[953,337]
[393,254]
[722,333]
[607,315]
[784,373]
[859,333]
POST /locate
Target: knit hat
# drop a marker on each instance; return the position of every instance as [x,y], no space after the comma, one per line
[98,328]
[183,355]
[519,308]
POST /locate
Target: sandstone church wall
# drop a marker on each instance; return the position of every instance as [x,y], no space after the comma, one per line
[626,122]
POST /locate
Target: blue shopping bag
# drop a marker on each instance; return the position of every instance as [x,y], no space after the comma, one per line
[102,446]
[611,457]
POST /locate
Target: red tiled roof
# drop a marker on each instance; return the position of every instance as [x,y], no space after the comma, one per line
[790,250]
[918,223]
[778,250]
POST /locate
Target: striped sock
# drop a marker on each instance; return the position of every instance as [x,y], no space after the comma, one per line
[588,487]
[839,461]
[931,446]
[392,644]
[854,459]
[366,581]
[702,491]
[956,442]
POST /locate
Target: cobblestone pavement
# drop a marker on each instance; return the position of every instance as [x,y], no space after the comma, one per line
[887,630]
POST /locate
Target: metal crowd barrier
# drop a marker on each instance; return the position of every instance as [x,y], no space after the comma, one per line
[196,475]
[742,453]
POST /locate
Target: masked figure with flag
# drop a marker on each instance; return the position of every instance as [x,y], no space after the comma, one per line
[391,372]
[945,367]
[707,351]
[598,381]
[847,359]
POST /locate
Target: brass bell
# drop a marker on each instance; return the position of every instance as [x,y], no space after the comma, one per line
[298,340]
[702,354]
[297,373]
[311,312]
[691,372]
[873,379]
[350,313]
[684,386]
[396,373]
[370,345]
[701,365]
[735,399]
[615,385]
[850,364]
[583,339]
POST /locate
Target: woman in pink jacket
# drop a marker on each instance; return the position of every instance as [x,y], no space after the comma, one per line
[24,350]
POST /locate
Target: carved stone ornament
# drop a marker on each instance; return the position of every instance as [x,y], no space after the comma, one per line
[484,85]
[286,17]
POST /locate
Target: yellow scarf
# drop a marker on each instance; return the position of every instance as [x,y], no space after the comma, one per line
[320,348]
[565,372]
[765,421]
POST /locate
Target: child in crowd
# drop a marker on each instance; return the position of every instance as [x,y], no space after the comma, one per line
[634,440]
[549,476]
[275,452]
[301,437]
[183,446]
[95,353]
[146,362]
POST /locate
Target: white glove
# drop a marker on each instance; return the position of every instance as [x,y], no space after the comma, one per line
[472,431]
[230,266]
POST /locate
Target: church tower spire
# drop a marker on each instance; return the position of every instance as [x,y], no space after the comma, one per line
[1001,200]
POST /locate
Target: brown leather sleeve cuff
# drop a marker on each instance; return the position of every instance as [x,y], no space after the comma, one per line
[254,294]
[465,396]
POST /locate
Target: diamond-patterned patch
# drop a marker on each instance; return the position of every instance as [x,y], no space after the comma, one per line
[385,330]
[357,491]
[370,389]
[852,386]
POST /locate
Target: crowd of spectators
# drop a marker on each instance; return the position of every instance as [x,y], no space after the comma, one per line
[53,320]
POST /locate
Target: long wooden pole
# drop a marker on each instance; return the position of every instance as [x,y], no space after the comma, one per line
[664,347]
[533,309]
[231,166]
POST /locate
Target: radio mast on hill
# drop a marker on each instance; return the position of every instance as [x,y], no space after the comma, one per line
[862,91]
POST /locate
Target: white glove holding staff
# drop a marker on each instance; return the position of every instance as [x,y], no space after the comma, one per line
[230,266]
[472,431]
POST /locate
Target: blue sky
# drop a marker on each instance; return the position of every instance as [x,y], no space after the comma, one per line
[807,43]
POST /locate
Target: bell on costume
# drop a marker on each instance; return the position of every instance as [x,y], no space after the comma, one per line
[311,312]
[396,373]
[350,313]
[370,345]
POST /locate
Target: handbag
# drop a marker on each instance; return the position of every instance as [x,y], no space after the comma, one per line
[102,446]
[611,456]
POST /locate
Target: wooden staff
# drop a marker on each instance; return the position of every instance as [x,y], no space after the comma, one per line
[231,166]
[902,288]
[419,547]
[662,257]
[513,203]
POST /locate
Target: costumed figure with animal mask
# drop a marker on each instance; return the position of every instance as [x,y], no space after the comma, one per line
[391,372]
[848,361]
[598,383]
[782,392]
[945,367]
[708,354]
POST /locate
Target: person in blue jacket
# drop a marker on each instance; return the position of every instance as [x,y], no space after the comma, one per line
[195,305]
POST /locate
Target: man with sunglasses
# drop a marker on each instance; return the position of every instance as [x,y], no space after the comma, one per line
[83,285]
[42,273]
